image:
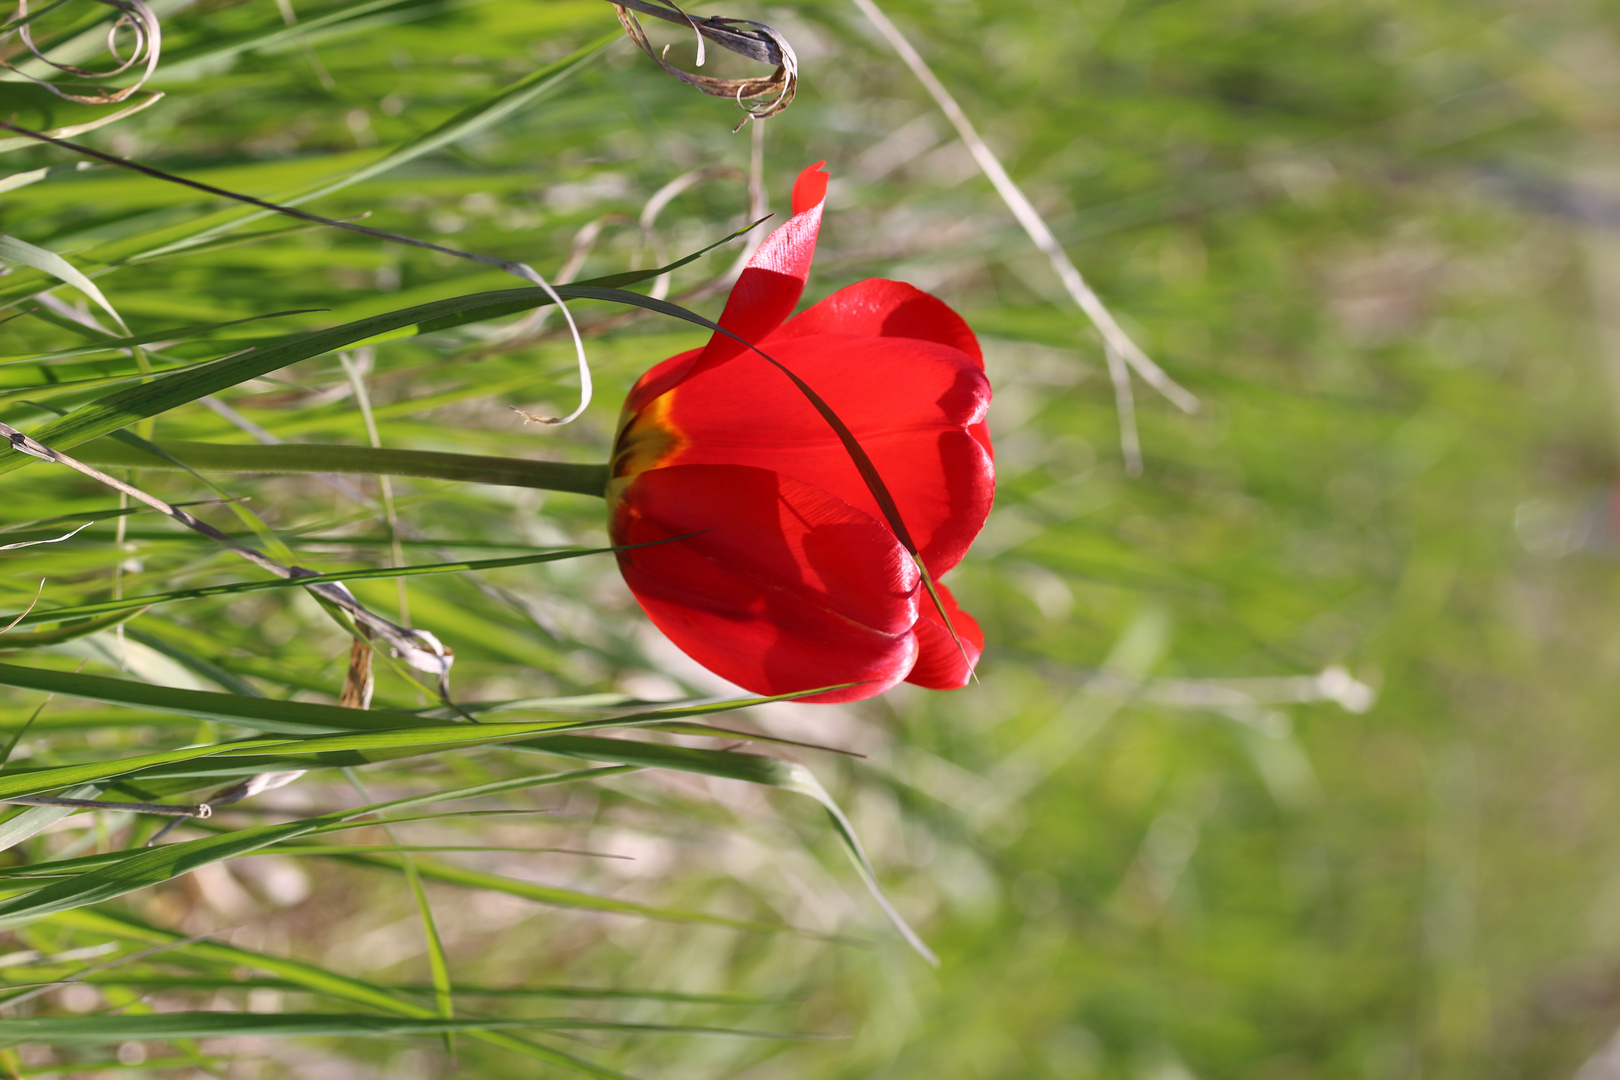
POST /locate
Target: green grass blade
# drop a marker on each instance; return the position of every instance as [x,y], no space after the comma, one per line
[319,458]
[142,867]
[555,896]
[119,410]
[307,976]
[469,121]
[173,336]
[23,253]
[261,714]
[77,628]
[301,717]
[80,1030]
[438,963]
[85,611]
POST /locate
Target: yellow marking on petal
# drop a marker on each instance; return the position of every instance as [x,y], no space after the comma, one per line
[647,439]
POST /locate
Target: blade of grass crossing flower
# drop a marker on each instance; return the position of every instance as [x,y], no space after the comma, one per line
[944,614]
[123,408]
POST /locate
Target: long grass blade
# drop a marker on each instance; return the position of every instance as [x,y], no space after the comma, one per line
[84,611]
[310,977]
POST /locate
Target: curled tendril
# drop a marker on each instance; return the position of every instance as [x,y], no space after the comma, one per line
[134,16]
[745,37]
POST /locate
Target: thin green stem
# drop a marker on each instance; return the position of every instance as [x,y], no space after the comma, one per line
[318,458]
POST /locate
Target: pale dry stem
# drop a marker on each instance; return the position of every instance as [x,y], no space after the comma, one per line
[420,649]
[1117,344]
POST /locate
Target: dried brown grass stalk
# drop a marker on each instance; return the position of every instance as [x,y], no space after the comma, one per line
[133,15]
[745,37]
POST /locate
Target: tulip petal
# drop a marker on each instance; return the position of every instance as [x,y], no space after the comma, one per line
[878,307]
[773,280]
[656,381]
[912,404]
[940,661]
[810,188]
[777,585]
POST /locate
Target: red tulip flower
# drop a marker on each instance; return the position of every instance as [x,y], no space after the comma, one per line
[787,575]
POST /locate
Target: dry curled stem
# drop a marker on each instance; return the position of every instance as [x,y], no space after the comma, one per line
[134,16]
[745,37]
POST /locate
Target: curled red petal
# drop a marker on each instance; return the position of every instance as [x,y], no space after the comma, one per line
[916,406]
[777,585]
[810,189]
[773,280]
[878,307]
[941,664]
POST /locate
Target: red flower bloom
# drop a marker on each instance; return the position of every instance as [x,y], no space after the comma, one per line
[789,578]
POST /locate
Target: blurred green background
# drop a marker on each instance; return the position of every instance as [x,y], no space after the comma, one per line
[1292,758]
